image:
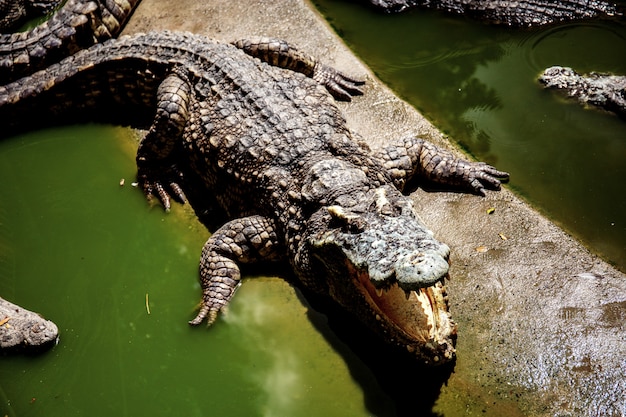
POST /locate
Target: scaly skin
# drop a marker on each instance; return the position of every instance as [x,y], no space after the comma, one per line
[273,148]
[605,91]
[79,24]
[523,13]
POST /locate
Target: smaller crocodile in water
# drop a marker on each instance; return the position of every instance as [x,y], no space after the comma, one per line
[265,139]
[79,24]
[522,13]
[605,91]
[22,331]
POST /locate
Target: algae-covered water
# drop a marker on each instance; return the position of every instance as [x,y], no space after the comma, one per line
[478,84]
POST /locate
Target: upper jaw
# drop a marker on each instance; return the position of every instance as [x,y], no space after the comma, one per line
[394,246]
[402,253]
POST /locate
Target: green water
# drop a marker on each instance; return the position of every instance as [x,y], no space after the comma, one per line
[86,252]
[478,84]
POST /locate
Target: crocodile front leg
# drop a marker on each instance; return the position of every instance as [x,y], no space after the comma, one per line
[245,240]
[281,54]
[157,174]
[414,157]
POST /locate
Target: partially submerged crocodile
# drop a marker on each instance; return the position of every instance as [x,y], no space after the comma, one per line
[519,13]
[271,134]
[79,24]
[605,91]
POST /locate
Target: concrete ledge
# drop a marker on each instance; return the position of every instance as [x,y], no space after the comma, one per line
[541,320]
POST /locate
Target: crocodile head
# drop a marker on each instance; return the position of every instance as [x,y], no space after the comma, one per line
[382,264]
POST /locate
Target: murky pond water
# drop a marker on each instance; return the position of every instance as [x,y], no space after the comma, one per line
[478,84]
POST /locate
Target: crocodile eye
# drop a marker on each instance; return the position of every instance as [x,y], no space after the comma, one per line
[348,222]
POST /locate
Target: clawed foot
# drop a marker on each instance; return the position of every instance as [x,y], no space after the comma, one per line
[162,184]
[214,302]
[479,176]
[339,85]
[204,313]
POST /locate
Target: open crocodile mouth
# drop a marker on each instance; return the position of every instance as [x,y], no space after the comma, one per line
[421,316]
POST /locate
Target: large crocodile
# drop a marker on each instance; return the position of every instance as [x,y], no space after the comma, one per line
[79,24]
[249,131]
[519,13]
[606,91]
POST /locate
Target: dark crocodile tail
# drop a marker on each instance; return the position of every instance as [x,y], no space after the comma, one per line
[77,25]
[522,13]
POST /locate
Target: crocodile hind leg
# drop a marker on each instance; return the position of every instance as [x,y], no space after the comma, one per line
[244,240]
[281,54]
[413,158]
[158,175]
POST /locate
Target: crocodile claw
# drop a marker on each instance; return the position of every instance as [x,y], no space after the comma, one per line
[204,313]
[163,186]
[481,176]
[338,84]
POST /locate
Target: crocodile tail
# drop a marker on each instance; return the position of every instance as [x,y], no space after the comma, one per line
[515,13]
[527,13]
[77,25]
[83,88]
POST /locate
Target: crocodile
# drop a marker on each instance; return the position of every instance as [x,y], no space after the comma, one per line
[255,120]
[605,91]
[14,12]
[77,25]
[522,13]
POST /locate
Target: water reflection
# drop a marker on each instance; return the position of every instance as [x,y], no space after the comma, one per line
[300,374]
[281,378]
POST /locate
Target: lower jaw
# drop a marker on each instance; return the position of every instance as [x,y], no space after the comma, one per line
[419,319]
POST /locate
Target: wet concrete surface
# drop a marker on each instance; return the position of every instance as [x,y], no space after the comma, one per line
[541,319]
